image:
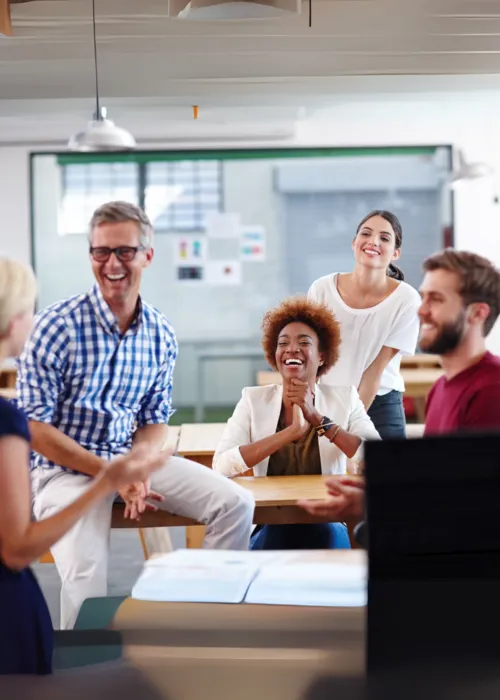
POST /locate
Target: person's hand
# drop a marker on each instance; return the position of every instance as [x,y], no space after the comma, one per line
[346,500]
[129,475]
[135,498]
[131,495]
[299,393]
[299,425]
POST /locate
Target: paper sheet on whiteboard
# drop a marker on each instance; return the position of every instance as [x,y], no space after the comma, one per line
[223,272]
[223,225]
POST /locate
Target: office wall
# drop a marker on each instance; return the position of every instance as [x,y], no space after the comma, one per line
[307,206]
[205,317]
[467,121]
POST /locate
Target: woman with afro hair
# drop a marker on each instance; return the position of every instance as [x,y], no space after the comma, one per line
[299,426]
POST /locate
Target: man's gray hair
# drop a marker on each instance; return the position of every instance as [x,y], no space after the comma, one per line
[119,212]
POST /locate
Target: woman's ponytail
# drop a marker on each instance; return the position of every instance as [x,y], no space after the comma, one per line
[394,272]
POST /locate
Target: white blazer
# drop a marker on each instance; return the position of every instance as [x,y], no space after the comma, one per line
[257,414]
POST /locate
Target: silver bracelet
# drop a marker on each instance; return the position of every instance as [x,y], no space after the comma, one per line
[335,433]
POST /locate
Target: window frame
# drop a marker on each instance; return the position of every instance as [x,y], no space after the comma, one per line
[196,213]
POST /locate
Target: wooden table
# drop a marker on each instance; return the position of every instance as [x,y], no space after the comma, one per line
[420,360]
[418,383]
[276,497]
[198,441]
[275,504]
[173,437]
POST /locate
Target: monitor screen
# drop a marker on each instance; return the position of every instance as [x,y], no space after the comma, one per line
[433,512]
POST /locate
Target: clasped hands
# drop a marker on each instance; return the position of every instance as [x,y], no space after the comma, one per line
[299,393]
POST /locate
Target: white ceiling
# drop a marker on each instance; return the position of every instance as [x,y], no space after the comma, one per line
[270,71]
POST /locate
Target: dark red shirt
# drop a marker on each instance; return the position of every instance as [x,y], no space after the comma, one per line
[468,401]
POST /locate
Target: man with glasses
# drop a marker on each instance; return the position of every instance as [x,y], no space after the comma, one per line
[96,377]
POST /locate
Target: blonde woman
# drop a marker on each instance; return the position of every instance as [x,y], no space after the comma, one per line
[25,629]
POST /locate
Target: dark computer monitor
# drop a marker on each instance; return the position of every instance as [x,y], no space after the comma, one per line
[433,512]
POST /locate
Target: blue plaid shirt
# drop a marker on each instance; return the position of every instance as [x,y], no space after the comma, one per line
[79,374]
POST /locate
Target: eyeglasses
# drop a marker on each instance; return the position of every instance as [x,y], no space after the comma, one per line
[125,253]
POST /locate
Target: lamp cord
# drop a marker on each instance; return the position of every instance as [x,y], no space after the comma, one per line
[98,105]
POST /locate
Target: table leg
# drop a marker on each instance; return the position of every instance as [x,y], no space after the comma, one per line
[195,534]
[199,409]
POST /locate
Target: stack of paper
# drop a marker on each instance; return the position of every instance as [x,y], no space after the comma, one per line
[292,580]
[336,579]
[197,576]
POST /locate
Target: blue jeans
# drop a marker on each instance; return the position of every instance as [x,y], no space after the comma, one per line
[388,416]
[313,536]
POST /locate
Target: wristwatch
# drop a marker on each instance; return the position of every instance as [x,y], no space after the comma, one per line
[326,424]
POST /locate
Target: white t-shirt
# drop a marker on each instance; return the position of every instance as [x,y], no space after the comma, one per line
[393,322]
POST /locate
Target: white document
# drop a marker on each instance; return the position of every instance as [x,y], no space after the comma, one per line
[222,273]
[290,581]
[223,225]
[189,250]
[253,244]
[198,576]
[254,577]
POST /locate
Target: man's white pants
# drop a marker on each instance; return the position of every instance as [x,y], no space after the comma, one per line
[190,490]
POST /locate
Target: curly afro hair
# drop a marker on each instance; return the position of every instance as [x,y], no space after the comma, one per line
[303,310]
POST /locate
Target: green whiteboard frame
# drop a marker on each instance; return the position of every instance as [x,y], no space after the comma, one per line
[162,155]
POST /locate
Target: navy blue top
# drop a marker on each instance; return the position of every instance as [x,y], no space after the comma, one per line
[26,636]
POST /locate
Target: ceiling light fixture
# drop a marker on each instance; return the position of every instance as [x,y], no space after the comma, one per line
[469,171]
[220,10]
[101,133]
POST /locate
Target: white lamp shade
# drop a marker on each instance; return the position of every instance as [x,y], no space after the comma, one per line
[471,171]
[102,134]
[221,10]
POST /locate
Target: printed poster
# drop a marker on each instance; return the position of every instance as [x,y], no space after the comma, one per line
[223,272]
[189,256]
[223,225]
[189,249]
[253,244]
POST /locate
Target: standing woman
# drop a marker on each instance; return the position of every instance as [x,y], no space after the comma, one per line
[377,312]
[26,637]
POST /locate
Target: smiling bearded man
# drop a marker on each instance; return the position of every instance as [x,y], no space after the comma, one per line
[460,304]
